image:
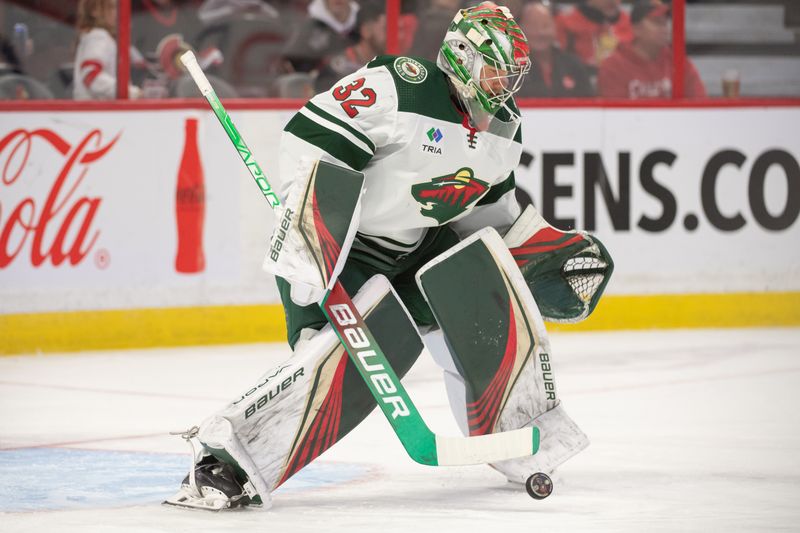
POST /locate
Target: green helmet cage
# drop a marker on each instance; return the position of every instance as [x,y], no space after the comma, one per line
[485,35]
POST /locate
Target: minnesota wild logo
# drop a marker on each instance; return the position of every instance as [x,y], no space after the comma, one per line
[446,197]
[410,69]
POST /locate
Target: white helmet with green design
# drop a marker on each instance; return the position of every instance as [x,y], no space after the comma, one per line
[485,54]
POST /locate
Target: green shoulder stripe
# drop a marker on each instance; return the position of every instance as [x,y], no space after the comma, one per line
[330,141]
[497,191]
[327,116]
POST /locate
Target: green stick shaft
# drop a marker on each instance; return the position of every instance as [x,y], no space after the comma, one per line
[250,162]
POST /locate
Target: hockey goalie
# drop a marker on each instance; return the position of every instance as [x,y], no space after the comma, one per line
[399,183]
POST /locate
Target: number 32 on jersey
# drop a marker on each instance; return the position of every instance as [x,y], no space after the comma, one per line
[350,102]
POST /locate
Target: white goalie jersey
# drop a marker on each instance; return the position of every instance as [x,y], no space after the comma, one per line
[424,166]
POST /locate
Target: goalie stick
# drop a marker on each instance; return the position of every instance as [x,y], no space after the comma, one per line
[421,444]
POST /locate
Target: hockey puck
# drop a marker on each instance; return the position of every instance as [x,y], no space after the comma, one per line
[539,486]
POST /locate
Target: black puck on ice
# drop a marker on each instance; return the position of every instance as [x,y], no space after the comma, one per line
[539,486]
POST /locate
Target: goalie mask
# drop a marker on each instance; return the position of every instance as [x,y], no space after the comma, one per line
[485,55]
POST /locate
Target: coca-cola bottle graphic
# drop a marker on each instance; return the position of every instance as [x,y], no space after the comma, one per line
[190,203]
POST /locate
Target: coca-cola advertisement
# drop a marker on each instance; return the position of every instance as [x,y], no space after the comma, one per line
[125,210]
[190,206]
[136,209]
[58,226]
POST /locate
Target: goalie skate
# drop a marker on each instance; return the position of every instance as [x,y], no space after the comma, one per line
[213,487]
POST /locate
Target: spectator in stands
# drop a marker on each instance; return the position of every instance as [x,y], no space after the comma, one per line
[515,6]
[371,24]
[433,23]
[554,73]
[95,70]
[592,29]
[9,61]
[154,20]
[643,68]
[331,28]
[219,11]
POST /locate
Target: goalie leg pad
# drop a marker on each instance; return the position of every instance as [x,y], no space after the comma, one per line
[492,329]
[562,439]
[566,271]
[302,407]
[315,229]
[498,343]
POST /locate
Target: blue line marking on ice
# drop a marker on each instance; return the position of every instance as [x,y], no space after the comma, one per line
[38,479]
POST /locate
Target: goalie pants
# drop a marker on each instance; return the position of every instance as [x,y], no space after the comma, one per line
[366,260]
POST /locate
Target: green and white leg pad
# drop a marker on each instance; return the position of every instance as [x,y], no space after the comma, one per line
[303,406]
[500,369]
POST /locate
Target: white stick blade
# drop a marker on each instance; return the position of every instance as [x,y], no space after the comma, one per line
[482,449]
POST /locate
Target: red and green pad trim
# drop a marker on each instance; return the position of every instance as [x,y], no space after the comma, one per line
[485,325]
[339,399]
[328,213]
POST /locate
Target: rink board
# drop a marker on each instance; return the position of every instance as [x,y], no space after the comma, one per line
[192,326]
[698,207]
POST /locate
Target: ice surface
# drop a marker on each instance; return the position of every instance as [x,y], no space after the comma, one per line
[691,431]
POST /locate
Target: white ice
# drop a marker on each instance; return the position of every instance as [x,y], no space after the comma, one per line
[691,431]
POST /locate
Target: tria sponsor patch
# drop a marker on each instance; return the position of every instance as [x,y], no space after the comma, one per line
[435,135]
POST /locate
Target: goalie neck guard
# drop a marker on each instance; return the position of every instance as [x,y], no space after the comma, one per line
[485,55]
